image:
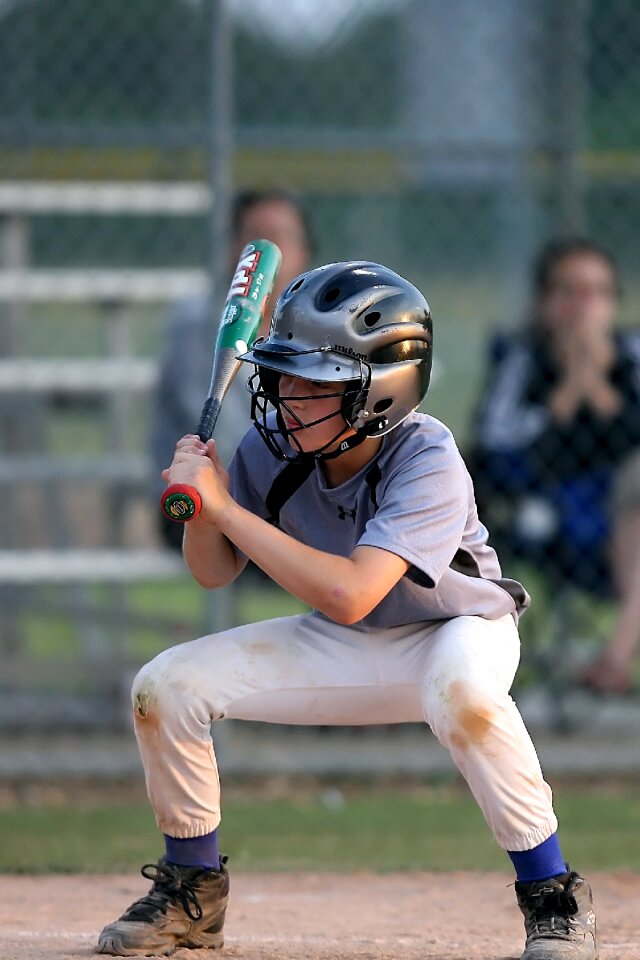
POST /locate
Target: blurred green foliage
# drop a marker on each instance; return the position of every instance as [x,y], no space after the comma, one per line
[144,63]
[334,830]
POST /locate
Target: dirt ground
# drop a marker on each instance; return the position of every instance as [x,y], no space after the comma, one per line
[408,916]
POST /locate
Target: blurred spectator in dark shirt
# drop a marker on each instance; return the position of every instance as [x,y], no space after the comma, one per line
[191,332]
[557,457]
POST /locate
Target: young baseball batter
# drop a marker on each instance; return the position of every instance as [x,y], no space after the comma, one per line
[364,510]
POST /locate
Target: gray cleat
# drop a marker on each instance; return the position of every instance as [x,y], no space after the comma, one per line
[558,919]
[185,907]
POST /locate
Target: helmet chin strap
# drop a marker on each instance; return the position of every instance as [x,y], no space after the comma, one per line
[347,444]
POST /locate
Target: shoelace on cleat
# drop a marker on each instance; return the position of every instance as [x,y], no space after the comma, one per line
[169,885]
[553,908]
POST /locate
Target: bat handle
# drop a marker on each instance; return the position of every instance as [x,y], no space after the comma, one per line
[179,501]
[208,418]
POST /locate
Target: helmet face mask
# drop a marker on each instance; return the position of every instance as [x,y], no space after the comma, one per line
[356,324]
[282,438]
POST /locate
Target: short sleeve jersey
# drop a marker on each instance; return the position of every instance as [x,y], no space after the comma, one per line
[414,499]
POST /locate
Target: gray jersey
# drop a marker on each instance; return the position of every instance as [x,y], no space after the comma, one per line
[415,499]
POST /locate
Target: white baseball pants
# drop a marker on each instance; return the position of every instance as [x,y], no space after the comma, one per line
[455,675]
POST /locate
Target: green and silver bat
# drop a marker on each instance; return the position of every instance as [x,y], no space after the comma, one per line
[243,310]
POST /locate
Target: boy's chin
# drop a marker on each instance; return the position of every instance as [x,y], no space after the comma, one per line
[301,444]
[303,448]
[298,447]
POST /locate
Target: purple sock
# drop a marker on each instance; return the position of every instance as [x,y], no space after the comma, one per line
[193,851]
[541,863]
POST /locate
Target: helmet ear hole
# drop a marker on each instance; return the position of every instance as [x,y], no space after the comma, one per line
[370,319]
[331,295]
[382,405]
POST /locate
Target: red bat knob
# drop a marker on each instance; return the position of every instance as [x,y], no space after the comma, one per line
[180,502]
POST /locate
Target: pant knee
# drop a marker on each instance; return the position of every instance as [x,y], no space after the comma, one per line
[160,688]
[143,684]
[173,688]
[463,714]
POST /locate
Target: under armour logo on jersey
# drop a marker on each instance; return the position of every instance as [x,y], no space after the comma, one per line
[347,514]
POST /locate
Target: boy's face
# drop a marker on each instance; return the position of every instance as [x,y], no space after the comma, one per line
[304,403]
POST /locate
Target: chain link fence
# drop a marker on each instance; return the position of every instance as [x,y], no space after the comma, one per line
[448,140]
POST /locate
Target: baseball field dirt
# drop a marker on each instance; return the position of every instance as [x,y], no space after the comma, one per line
[305,916]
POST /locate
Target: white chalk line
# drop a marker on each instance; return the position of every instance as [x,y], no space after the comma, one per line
[249,938]
[297,939]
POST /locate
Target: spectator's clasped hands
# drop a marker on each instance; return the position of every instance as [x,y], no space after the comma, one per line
[586,355]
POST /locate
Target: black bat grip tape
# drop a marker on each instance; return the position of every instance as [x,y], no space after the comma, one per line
[208,417]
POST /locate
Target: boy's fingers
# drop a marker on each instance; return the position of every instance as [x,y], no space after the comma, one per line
[190,448]
[212,450]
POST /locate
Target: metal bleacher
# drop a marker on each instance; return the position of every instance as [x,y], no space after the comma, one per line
[34,478]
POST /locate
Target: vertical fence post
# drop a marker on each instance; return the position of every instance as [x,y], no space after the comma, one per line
[570,86]
[220,140]
[15,434]
[221,148]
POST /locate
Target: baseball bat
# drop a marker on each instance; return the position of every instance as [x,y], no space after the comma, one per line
[243,310]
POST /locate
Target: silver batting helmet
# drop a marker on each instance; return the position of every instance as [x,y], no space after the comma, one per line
[356,324]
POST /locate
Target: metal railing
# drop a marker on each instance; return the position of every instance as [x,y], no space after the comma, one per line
[38,480]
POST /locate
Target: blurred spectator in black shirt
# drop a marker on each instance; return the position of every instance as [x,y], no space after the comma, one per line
[557,456]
